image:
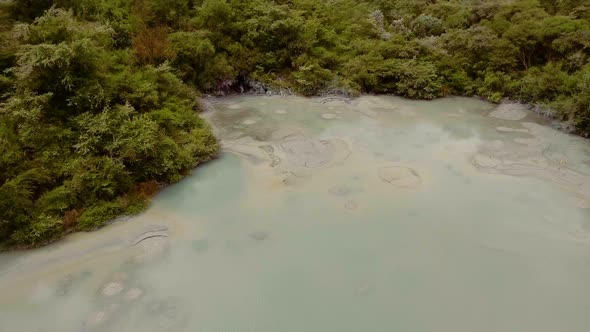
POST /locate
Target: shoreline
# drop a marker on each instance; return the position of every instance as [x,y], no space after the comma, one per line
[547,113]
[207,104]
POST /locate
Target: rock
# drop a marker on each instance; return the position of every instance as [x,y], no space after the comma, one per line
[234,106]
[329,116]
[249,122]
[399,176]
[281,112]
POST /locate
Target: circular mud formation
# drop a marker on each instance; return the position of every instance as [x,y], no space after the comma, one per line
[133,294]
[99,318]
[509,111]
[249,122]
[533,157]
[112,288]
[301,151]
[399,176]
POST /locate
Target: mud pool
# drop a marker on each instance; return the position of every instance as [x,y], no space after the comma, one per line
[372,214]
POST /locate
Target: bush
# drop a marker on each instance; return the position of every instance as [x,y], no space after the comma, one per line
[409,78]
[98,214]
[425,25]
[58,201]
[84,123]
[310,78]
[42,229]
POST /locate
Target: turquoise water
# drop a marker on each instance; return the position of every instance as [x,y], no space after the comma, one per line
[375,214]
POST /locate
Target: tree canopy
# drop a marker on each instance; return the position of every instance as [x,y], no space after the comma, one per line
[87,132]
[98,97]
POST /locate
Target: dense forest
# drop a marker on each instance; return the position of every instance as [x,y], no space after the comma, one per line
[99,98]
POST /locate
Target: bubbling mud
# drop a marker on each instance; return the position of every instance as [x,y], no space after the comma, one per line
[537,156]
[335,214]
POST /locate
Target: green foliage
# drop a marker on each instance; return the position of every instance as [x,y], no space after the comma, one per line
[310,78]
[27,10]
[426,25]
[95,97]
[413,79]
[194,57]
[42,229]
[98,214]
[82,124]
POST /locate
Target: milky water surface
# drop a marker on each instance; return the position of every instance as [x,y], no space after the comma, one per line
[373,214]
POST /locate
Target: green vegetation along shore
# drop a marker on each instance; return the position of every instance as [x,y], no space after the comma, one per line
[99,98]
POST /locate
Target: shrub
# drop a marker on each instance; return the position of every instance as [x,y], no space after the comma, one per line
[98,214]
[42,229]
